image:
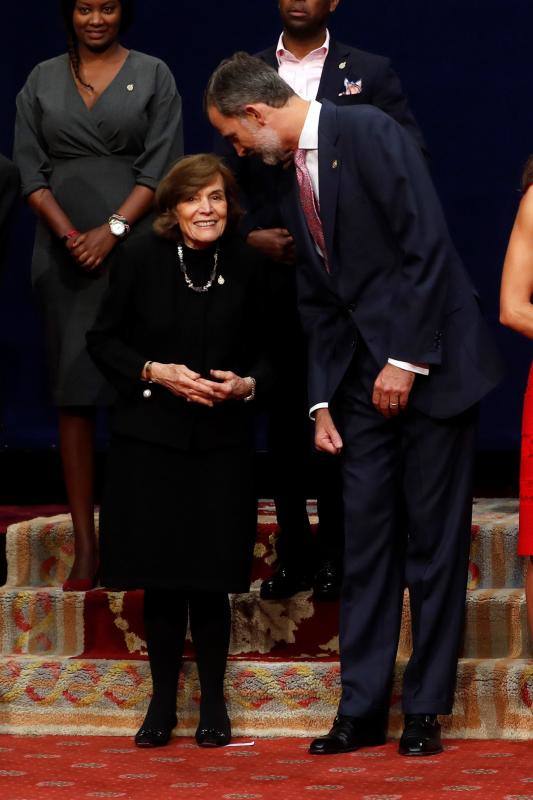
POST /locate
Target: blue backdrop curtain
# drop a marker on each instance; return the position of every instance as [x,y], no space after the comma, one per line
[466,66]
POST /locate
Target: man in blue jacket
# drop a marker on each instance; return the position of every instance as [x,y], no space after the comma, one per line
[399,358]
[316,66]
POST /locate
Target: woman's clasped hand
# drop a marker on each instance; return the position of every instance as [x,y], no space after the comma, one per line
[183,382]
[90,249]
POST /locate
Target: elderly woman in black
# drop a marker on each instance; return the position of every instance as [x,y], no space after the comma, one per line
[181,337]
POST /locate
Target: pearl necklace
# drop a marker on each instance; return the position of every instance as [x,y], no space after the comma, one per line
[188,281]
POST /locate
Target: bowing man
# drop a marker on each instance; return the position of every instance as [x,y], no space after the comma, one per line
[399,358]
[317,66]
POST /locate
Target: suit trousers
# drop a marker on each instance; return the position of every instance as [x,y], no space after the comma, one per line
[408,510]
[290,441]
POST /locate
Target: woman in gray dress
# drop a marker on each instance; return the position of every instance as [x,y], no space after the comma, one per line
[96,130]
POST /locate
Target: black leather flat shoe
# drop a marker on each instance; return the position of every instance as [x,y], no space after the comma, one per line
[327,582]
[216,736]
[154,736]
[421,736]
[284,583]
[351,733]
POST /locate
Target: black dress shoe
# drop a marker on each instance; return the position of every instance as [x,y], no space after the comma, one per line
[216,736]
[154,735]
[351,733]
[421,735]
[327,582]
[285,582]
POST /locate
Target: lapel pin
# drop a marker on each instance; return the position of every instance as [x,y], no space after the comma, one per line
[334,164]
[130,87]
[342,65]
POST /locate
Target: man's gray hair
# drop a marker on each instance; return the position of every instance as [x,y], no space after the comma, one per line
[241,80]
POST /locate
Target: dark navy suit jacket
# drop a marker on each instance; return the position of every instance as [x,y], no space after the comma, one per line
[396,279]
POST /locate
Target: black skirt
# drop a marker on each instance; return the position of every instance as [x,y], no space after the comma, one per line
[177,520]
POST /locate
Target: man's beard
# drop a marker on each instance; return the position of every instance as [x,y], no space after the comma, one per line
[268,145]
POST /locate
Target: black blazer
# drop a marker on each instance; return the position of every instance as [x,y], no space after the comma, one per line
[380,87]
[149,314]
[396,279]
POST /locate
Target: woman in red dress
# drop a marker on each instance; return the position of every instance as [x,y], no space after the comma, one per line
[516,311]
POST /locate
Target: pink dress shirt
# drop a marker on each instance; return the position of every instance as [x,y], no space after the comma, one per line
[303,75]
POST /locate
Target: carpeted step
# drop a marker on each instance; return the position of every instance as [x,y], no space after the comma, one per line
[41,621]
[103,624]
[494,698]
[493,560]
[40,551]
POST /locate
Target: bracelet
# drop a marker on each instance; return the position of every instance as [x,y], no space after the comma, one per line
[253,383]
[70,235]
[147,371]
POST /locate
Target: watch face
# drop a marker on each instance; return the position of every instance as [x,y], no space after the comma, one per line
[117,227]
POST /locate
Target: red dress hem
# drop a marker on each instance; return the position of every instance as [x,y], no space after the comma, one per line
[525,535]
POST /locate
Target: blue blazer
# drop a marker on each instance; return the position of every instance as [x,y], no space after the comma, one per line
[396,279]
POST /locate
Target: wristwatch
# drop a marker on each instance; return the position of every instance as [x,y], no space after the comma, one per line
[118,226]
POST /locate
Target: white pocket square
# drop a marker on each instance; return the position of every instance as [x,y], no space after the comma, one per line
[352,87]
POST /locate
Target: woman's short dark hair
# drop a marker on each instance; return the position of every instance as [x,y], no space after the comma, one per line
[188,176]
[67,11]
[527,176]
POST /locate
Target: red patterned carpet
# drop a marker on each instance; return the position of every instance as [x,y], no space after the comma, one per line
[50,768]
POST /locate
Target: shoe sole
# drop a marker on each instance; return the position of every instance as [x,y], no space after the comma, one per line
[415,754]
[212,746]
[379,743]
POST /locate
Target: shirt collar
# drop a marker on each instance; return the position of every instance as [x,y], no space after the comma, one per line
[282,52]
[309,135]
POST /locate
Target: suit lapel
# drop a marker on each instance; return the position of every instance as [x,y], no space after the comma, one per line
[329,169]
[336,67]
[270,58]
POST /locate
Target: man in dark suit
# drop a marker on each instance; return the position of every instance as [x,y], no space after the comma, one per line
[316,66]
[399,357]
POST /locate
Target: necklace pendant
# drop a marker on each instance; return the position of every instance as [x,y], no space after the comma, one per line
[221,280]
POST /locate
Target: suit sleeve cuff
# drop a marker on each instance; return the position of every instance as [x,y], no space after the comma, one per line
[315,408]
[420,369]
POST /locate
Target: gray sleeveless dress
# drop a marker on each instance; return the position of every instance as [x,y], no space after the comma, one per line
[90,160]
